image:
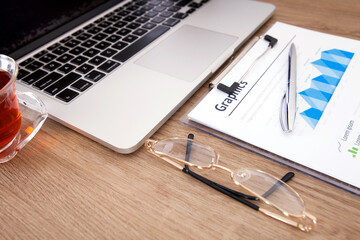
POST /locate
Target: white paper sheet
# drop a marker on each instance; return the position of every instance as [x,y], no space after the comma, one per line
[326,135]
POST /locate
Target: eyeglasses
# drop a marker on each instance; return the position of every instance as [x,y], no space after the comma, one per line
[274,192]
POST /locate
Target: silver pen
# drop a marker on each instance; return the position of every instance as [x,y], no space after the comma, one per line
[288,108]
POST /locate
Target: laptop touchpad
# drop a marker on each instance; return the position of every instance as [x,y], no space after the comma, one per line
[187,53]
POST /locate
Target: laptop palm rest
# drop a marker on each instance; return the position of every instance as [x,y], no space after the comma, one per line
[187,53]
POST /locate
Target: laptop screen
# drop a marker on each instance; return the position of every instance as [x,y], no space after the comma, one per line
[25,21]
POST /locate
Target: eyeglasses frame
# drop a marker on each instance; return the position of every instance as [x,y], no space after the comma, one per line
[288,219]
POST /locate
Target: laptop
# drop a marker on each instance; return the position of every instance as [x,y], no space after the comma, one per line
[116,70]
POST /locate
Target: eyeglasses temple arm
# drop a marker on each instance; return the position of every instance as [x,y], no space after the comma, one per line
[221,189]
[243,195]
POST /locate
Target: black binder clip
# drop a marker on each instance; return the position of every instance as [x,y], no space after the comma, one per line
[222,87]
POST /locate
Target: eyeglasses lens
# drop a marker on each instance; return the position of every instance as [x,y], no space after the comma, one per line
[200,155]
[273,190]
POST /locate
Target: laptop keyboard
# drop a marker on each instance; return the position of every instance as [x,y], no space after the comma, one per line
[73,65]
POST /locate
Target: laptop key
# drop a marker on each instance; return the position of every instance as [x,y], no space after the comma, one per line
[109,14]
[174,8]
[91,52]
[108,52]
[120,24]
[110,30]
[159,9]
[77,50]
[79,60]
[85,68]
[167,4]
[151,14]
[129,18]
[84,36]
[141,43]
[133,25]
[22,73]
[113,38]
[119,45]
[60,50]
[195,5]
[191,10]
[142,20]
[34,65]
[77,33]
[94,30]
[62,83]
[72,43]
[81,85]
[155,2]
[52,66]
[140,32]
[104,24]
[95,76]
[123,31]
[99,20]
[100,36]
[141,2]
[133,8]
[52,47]
[108,66]
[66,39]
[66,68]
[113,18]
[183,3]
[33,77]
[88,43]
[180,15]
[149,25]
[26,62]
[130,38]
[97,60]
[40,54]
[158,19]
[67,95]
[65,58]
[171,22]
[46,81]
[147,8]
[166,14]
[123,13]
[102,45]
[88,26]
[47,58]
[138,13]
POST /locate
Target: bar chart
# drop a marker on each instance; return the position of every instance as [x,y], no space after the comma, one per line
[332,65]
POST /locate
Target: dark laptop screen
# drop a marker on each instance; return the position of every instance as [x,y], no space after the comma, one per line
[24,21]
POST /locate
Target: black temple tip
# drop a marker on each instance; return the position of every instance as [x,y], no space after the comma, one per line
[288,176]
[272,41]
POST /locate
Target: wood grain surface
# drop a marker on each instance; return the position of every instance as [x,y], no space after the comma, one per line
[63,185]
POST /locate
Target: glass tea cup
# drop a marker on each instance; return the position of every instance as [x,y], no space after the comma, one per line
[21,114]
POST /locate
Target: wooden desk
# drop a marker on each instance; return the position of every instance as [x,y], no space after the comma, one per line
[65,186]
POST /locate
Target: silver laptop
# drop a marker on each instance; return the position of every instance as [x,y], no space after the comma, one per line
[115,71]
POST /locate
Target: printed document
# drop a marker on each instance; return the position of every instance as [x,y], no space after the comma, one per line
[326,135]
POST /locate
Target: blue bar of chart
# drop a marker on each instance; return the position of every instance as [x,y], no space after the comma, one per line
[332,66]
